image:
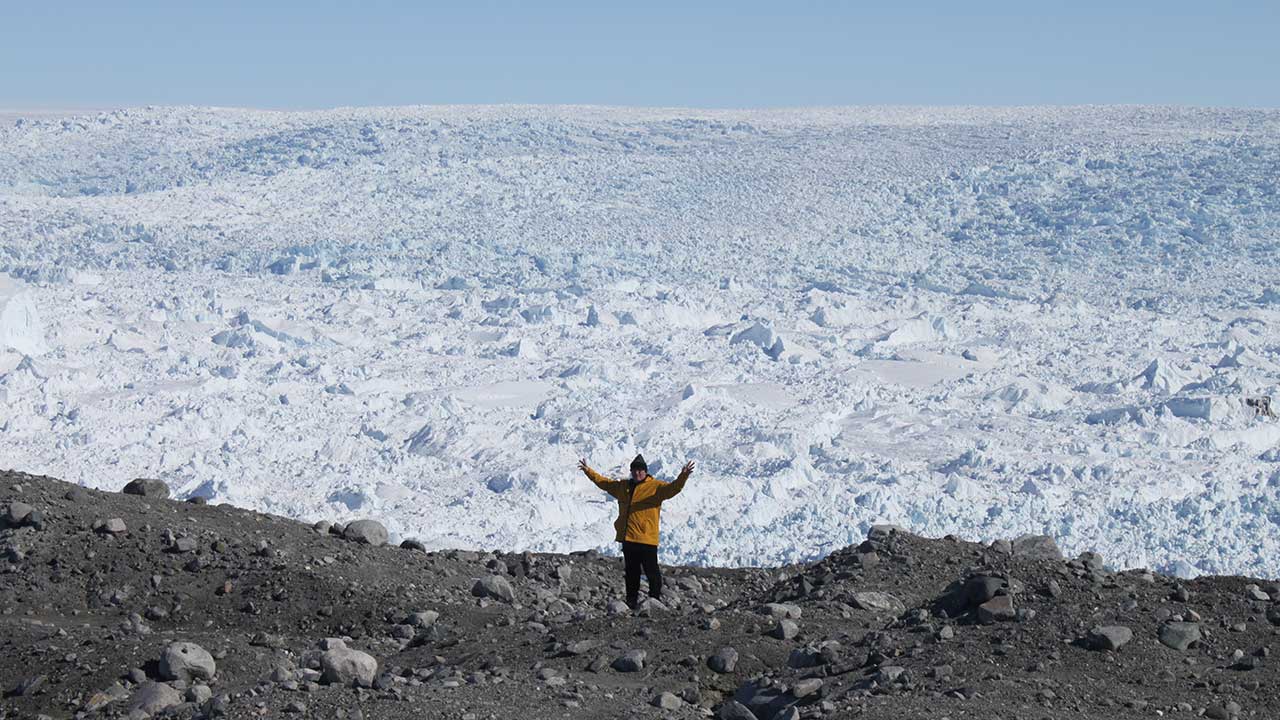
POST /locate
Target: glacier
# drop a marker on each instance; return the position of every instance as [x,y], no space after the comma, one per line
[979,321]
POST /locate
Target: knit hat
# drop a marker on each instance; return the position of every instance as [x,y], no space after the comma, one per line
[639,464]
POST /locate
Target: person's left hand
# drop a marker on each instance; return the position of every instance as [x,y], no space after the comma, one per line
[687,469]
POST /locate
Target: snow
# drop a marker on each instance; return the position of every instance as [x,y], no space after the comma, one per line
[986,322]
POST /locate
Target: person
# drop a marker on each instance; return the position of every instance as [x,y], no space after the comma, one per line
[640,501]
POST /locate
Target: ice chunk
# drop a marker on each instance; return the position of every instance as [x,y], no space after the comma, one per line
[762,337]
[1163,377]
[20,326]
[919,329]
[1031,396]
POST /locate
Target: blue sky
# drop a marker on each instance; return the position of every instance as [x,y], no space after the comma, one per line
[319,53]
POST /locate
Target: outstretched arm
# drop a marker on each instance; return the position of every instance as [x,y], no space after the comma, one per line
[672,489]
[601,481]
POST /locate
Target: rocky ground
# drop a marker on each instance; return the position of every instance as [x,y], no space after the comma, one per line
[132,604]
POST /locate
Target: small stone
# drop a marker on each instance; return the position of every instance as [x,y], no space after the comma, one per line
[154,698]
[784,629]
[147,487]
[1256,593]
[724,661]
[295,707]
[186,662]
[1179,635]
[630,661]
[807,687]
[580,647]
[878,602]
[781,610]
[199,694]
[667,701]
[114,526]
[413,544]
[734,710]
[367,532]
[423,619]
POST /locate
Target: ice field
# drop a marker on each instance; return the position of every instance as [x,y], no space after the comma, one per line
[985,322]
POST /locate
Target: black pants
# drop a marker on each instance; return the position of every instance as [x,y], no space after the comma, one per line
[637,557]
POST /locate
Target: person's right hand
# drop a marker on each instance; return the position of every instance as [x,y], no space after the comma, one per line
[582,465]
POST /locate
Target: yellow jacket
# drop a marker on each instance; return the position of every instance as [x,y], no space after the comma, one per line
[639,504]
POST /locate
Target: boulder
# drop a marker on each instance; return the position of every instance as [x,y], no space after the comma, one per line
[996,609]
[493,586]
[1038,547]
[147,487]
[413,544]
[367,532]
[17,514]
[186,662]
[1108,637]
[341,665]
[1179,635]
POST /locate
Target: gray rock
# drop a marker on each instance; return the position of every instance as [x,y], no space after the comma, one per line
[341,665]
[423,619]
[784,630]
[616,607]
[1256,593]
[199,694]
[1092,561]
[1108,637]
[493,586]
[667,701]
[580,647]
[17,514]
[996,609]
[778,611]
[630,661]
[367,532]
[1179,635]
[878,602]
[114,526]
[413,544]
[804,688]
[154,698]
[186,662]
[981,588]
[724,661]
[883,531]
[734,710]
[147,487]
[889,673]
[1039,547]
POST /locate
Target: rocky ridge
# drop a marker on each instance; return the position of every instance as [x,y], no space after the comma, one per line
[136,605]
